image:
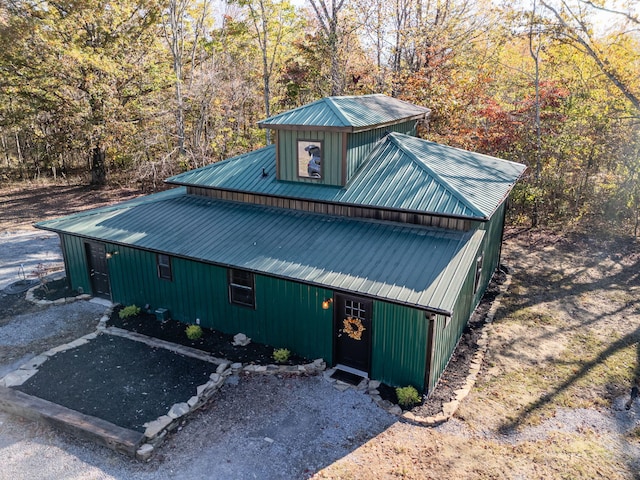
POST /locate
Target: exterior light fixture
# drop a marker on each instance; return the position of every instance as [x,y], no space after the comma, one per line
[109,255]
[327,303]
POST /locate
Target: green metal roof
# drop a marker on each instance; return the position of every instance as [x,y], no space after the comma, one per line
[348,113]
[403,173]
[415,266]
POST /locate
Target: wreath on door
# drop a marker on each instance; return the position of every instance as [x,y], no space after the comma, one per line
[353,327]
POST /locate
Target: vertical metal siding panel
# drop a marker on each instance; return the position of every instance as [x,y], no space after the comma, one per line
[294,317]
[181,293]
[446,337]
[399,345]
[491,249]
[217,288]
[287,314]
[77,262]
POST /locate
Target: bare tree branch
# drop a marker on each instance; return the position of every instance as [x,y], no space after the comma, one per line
[583,38]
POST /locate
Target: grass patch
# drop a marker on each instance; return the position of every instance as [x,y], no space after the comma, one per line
[533,318]
[619,296]
[588,373]
[634,435]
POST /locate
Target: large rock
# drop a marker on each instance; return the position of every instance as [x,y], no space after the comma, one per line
[178,410]
[241,340]
[157,426]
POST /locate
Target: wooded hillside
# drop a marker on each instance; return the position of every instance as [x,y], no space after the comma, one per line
[102,91]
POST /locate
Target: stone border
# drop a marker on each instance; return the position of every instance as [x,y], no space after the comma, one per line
[30,297]
[450,408]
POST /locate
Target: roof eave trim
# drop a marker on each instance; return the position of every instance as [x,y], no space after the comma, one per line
[288,126]
[420,116]
[425,308]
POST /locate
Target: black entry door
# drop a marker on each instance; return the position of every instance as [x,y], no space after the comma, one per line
[98,271]
[352,332]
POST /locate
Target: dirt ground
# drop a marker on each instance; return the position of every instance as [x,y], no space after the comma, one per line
[23,204]
[549,401]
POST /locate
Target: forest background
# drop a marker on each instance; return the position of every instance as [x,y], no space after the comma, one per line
[129,92]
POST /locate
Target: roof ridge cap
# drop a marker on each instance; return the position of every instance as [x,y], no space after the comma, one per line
[336,110]
[457,194]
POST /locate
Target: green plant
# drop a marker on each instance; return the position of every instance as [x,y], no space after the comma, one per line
[193,332]
[407,396]
[130,311]
[281,355]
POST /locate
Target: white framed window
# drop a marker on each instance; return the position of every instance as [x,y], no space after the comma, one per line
[163,263]
[242,288]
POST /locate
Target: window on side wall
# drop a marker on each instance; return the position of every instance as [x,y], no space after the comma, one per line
[310,159]
[164,266]
[242,288]
[476,284]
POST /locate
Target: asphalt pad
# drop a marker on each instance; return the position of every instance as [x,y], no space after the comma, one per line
[122,381]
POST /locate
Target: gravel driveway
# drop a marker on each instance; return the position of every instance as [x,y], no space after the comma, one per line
[261,427]
[22,250]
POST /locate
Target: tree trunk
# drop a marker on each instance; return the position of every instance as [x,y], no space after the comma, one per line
[5,149]
[535,55]
[98,166]
[20,158]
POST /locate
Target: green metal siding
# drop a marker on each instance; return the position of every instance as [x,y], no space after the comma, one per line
[332,149]
[287,314]
[399,345]
[447,334]
[491,248]
[76,262]
[447,337]
[360,145]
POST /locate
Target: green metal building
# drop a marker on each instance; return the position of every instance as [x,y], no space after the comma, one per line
[349,239]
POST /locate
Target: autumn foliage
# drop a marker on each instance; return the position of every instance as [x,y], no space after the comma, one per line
[131,92]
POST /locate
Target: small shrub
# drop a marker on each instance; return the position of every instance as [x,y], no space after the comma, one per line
[130,311]
[407,396]
[281,355]
[41,272]
[194,332]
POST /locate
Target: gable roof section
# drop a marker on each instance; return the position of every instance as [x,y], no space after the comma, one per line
[404,173]
[348,113]
[414,266]
[480,181]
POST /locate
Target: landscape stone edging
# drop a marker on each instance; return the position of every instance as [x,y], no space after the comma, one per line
[450,408]
[30,297]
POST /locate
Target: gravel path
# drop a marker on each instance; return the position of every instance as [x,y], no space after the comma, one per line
[21,251]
